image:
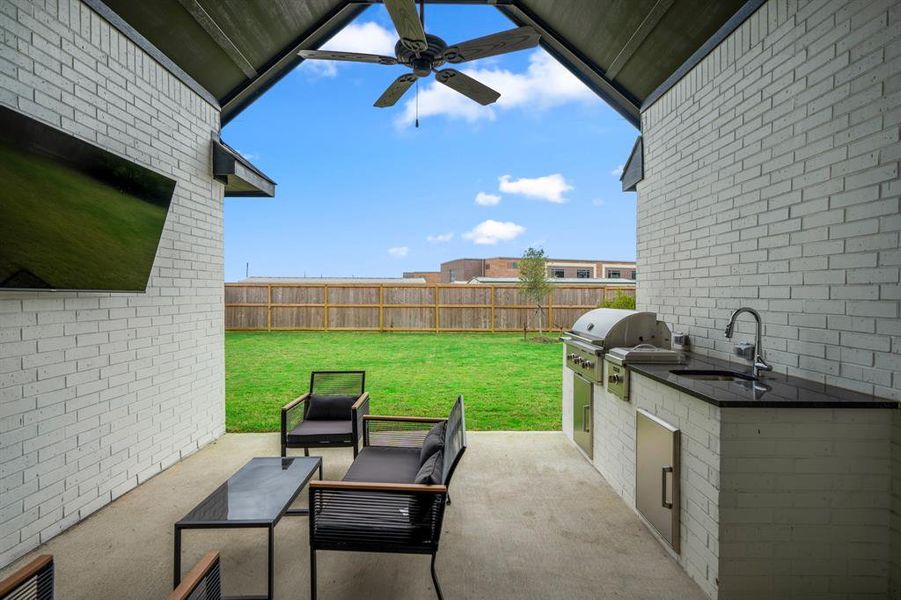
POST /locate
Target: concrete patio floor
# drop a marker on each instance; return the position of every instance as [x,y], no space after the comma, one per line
[530,519]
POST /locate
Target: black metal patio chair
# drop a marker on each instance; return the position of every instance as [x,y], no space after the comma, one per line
[203,582]
[34,581]
[378,507]
[329,415]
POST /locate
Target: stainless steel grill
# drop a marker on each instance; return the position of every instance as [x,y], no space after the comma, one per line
[598,331]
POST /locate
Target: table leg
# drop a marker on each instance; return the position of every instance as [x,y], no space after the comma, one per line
[270,585]
[176,571]
[320,470]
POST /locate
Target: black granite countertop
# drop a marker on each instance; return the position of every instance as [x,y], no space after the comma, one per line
[771,390]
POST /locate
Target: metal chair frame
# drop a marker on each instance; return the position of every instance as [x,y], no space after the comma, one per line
[363,517]
[290,411]
[34,581]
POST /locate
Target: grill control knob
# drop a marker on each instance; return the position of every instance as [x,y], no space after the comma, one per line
[588,364]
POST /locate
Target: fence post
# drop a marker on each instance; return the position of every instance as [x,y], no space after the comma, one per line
[493,303]
[381,307]
[269,310]
[437,302]
[325,307]
[550,310]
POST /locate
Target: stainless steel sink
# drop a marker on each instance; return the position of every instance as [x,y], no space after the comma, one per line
[713,374]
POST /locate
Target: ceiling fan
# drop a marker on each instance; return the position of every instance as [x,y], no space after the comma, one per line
[424,53]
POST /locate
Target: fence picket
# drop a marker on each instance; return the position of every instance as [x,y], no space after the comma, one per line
[364,307]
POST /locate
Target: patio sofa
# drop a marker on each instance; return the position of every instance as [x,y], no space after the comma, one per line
[393,496]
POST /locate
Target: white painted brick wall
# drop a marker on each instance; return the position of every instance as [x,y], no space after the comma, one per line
[772,181]
[805,500]
[99,392]
[699,423]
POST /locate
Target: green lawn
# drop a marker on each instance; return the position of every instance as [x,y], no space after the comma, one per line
[508,384]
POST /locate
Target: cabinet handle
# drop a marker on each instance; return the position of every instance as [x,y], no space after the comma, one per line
[663,472]
[585,418]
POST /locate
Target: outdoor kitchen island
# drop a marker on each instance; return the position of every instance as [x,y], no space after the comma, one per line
[776,488]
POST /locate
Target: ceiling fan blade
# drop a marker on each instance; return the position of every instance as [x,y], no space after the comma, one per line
[467,86]
[348,56]
[511,40]
[407,23]
[395,91]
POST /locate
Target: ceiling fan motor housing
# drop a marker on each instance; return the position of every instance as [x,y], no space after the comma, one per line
[428,59]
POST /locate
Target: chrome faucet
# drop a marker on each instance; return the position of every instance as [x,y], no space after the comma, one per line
[755,354]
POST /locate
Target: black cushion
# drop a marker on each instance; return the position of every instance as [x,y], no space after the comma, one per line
[380,464]
[330,408]
[433,442]
[321,432]
[432,470]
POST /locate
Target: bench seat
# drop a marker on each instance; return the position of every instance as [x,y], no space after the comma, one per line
[320,432]
[380,464]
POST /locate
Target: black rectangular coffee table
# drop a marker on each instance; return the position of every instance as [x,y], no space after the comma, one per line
[256,496]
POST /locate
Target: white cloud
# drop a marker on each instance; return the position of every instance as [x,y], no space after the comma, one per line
[618,171]
[484,199]
[492,232]
[598,202]
[545,84]
[550,187]
[440,238]
[368,38]
[398,251]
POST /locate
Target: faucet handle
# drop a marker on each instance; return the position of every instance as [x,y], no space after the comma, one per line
[744,350]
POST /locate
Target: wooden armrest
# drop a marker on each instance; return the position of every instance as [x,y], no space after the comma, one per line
[191,579]
[363,398]
[365,486]
[296,401]
[406,419]
[24,574]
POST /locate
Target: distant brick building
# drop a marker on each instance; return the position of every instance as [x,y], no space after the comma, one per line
[466,269]
[431,277]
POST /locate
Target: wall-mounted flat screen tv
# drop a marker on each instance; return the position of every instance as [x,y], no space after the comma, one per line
[74,216]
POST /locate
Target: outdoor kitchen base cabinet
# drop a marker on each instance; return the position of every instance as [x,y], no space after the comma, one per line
[657,449]
[583,410]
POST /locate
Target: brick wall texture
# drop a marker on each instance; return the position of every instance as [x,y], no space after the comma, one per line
[772,181]
[99,392]
[805,498]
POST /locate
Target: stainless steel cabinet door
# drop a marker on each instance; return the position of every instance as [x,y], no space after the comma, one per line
[657,450]
[582,409]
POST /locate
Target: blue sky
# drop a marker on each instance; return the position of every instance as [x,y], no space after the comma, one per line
[361,192]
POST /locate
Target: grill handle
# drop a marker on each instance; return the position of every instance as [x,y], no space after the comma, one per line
[585,418]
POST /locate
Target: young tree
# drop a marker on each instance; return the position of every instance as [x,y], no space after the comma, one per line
[534,281]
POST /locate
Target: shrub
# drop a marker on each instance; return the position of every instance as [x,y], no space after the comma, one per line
[621,300]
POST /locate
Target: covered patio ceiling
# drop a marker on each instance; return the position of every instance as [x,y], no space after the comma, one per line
[627,51]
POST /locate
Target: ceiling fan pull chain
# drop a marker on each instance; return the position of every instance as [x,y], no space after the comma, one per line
[417,104]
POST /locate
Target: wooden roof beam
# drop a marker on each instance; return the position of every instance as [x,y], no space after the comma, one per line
[203,18]
[638,36]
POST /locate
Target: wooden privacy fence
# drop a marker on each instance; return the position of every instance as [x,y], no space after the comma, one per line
[373,307]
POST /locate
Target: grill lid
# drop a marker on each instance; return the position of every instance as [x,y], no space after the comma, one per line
[615,327]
